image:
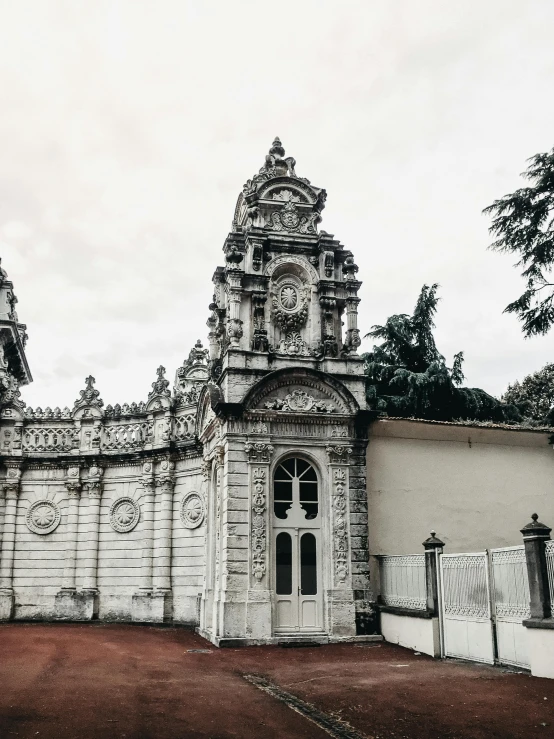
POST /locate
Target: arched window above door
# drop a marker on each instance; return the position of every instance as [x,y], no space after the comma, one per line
[295,490]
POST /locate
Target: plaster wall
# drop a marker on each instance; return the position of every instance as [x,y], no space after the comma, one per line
[39,562]
[476,487]
[420,634]
[541,652]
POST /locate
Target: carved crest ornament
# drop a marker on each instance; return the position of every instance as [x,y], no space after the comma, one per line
[299,401]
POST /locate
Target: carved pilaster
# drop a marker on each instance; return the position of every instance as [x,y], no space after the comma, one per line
[259,338]
[234,293]
[148,485]
[165,484]
[73,485]
[339,457]
[11,487]
[259,458]
[258,545]
[93,491]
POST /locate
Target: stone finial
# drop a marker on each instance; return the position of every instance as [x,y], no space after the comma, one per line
[277,148]
[536,529]
[159,387]
[433,542]
[89,396]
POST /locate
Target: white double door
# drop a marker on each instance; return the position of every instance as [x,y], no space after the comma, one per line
[297,578]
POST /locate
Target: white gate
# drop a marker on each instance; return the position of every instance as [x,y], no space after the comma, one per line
[510,596]
[466,609]
[484,599]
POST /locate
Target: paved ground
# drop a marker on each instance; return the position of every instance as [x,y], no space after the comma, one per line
[103,681]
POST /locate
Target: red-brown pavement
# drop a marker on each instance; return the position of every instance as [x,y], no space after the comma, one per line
[137,682]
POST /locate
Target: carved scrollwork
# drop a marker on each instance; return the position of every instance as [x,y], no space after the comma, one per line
[298,401]
[338,454]
[258,534]
[340,534]
[258,452]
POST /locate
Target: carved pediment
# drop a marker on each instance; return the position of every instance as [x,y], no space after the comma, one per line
[301,391]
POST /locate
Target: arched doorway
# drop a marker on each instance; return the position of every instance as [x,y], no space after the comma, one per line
[297,547]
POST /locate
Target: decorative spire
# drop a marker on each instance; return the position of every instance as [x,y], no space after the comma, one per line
[277,148]
[159,387]
[89,396]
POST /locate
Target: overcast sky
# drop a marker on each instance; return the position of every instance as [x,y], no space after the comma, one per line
[127,130]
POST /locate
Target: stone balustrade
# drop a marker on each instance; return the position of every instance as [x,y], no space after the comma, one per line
[51,433]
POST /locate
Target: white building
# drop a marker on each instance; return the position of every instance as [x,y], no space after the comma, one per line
[237,500]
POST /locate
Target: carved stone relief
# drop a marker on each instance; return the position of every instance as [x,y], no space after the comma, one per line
[340,537]
[124,515]
[192,511]
[43,516]
[299,401]
[259,533]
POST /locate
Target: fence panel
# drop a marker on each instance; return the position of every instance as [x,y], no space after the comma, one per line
[550,568]
[510,595]
[466,609]
[403,581]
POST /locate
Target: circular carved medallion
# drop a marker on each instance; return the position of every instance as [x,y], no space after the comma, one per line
[43,517]
[289,297]
[124,515]
[192,511]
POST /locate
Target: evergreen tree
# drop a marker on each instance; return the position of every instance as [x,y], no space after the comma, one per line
[408,376]
[523,224]
[534,396]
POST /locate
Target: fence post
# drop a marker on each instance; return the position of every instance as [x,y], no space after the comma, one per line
[535,535]
[433,547]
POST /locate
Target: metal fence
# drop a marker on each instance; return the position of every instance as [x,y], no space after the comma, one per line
[403,581]
[549,548]
[511,584]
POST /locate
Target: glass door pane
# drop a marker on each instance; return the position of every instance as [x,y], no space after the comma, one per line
[308,565]
[283,562]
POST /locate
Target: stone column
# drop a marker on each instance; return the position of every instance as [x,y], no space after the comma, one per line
[340,595]
[11,487]
[93,489]
[259,621]
[73,486]
[353,339]
[433,547]
[70,605]
[234,324]
[535,536]
[207,589]
[218,462]
[165,484]
[142,599]
[350,268]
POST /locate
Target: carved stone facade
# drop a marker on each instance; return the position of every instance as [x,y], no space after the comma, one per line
[169,509]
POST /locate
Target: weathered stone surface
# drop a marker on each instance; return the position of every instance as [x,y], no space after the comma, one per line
[163,510]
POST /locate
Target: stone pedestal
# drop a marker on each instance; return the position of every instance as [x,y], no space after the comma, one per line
[6,604]
[258,614]
[73,605]
[342,613]
[151,607]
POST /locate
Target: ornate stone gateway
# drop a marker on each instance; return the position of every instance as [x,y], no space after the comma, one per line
[235,500]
